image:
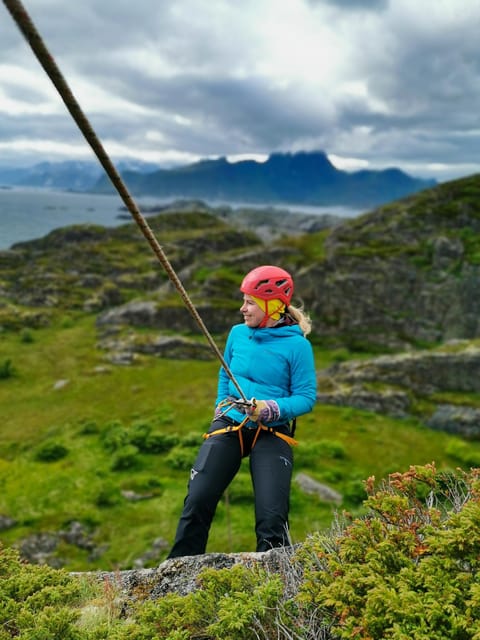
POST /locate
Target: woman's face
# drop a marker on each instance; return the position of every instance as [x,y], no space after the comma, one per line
[252,314]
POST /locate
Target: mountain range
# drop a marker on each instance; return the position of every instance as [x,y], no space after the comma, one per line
[70,175]
[306,178]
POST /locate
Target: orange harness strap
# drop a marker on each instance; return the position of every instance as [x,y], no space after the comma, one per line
[288,439]
[261,427]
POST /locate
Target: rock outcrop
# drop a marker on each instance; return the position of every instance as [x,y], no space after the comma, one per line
[180,575]
[390,383]
[407,273]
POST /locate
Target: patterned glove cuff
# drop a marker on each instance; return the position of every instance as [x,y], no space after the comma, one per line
[270,412]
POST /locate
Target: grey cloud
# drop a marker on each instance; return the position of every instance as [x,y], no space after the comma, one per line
[22,93]
[198,81]
[430,81]
[59,128]
[371,5]
[239,113]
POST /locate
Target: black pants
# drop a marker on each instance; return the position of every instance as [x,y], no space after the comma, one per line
[217,463]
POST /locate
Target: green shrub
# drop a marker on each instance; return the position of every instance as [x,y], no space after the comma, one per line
[354,492]
[331,449]
[7,370]
[88,428]
[139,433]
[125,458]
[333,476]
[462,452]
[158,443]
[38,603]
[241,491]
[181,458]
[165,415]
[51,451]
[108,496]
[407,570]
[145,483]
[114,436]
[341,355]
[26,336]
[192,439]
[230,604]
[66,322]
[309,454]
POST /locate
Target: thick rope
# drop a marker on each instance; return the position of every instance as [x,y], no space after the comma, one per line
[28,29]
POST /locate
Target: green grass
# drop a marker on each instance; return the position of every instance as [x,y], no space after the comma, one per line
[173,397]
[31,406]
[310,246]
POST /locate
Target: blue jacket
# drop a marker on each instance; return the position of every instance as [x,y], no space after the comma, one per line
[270,364]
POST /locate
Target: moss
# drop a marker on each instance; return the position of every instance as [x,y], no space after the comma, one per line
[308,246]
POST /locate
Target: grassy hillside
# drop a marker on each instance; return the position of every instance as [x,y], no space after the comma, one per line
[109,447]
[68,452]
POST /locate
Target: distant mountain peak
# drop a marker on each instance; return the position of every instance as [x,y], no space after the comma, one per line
[286,178]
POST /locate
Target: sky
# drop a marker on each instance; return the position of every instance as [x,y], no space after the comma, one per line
[372,83]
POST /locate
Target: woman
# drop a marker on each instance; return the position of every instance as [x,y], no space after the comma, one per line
[272,363]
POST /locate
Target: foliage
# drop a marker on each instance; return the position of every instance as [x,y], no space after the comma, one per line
[354,493]
[51,451]
[108,495]
[7,370]
[125,457]
[26,336]
[38,603]
[140,434]
[181,457]
[309,454]
[230,604]
[409,569]
[463,453]
[310,246]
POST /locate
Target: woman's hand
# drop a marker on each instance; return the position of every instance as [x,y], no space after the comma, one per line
[264,411]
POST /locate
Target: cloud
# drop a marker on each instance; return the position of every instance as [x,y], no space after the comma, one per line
[388,83]
[347,5]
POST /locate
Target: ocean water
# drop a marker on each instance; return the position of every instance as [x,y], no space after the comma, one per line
[27,214]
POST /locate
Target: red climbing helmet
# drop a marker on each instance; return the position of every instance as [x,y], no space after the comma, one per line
[267,283]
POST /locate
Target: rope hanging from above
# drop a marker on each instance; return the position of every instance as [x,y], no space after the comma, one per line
[28,29]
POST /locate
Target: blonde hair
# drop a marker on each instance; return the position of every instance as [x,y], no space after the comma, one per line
[298,314]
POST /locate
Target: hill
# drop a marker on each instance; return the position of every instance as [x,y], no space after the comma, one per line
[106,385]
[406,274]
[306,178]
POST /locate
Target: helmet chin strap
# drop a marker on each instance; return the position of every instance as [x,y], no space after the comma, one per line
[265,319]
[269,315]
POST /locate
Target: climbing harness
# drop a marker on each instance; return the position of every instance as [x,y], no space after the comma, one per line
[237,428]
[261,427]
[28,29]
